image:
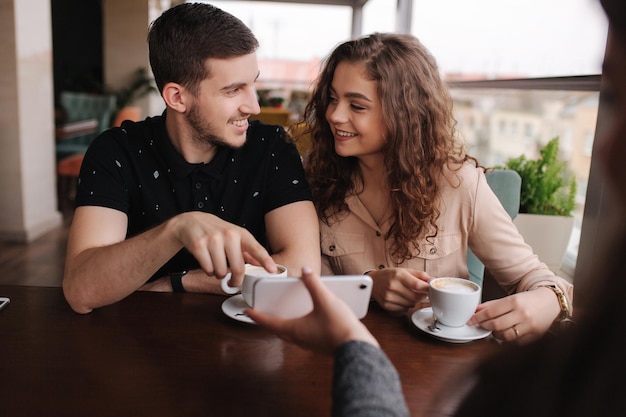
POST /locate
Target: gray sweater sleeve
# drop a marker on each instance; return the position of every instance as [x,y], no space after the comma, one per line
[365,383]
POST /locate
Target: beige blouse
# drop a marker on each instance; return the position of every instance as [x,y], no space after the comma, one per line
[471,215]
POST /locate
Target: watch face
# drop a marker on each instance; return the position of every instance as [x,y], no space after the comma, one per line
[566,324]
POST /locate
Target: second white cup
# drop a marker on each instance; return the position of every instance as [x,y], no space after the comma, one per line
[252,274]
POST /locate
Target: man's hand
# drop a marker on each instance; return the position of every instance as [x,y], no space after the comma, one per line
[103,267]
[220,247]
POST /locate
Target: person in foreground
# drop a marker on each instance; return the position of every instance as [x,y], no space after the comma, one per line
[398,197]
[578,374]
[582,373]
[365,383]
[176,202]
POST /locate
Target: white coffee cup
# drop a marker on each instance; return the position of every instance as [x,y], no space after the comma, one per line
[252,274]
[453,300]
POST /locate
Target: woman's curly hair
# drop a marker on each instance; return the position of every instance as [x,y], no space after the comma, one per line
[420,137]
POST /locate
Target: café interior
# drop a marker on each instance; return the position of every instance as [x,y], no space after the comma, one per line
[34,186]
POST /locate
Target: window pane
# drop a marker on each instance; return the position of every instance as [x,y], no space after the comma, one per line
[495,38]
[495,133]
[289,31]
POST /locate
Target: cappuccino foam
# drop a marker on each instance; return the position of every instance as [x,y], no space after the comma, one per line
[259,271]
[454,286]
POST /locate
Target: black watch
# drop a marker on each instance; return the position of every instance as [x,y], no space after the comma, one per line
[176,279]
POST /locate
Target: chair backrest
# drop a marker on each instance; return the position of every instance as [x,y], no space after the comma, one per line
[83,106]
[506,185]
[301,137]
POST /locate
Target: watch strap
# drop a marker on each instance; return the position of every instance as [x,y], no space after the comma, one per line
[176,279]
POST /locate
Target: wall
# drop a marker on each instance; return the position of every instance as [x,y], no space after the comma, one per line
[28,200]
[125,44]
[27,180]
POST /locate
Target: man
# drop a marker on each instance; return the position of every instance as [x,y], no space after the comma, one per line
[178,201]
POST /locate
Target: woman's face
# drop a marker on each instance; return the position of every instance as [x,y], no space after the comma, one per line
[613,142]
[354,112]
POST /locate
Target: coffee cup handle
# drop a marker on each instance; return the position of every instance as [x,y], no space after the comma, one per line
[227,288]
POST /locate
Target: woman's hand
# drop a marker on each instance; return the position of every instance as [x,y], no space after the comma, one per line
[520,317]
[399,289]
[330,324]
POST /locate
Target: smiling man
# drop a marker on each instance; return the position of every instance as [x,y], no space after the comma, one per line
[176,202]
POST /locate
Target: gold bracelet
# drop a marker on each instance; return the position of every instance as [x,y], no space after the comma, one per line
[566,311]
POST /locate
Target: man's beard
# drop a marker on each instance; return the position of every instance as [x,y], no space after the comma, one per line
[202,130]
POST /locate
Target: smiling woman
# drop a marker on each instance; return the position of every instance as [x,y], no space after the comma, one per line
[400,199]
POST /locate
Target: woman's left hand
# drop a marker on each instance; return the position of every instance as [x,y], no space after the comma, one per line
[520,317]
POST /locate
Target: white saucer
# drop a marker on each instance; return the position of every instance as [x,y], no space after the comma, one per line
[423,318]
[234,308]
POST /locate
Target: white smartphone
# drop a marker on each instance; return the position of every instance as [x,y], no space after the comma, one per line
[289,298]
[4,301]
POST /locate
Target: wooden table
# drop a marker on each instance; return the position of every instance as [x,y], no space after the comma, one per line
[171,354]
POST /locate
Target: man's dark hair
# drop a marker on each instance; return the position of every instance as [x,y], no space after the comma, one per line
[185,36]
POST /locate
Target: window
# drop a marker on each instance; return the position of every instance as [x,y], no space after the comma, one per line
[556,45]
[568,114]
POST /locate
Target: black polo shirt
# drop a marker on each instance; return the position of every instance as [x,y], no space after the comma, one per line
[137,170]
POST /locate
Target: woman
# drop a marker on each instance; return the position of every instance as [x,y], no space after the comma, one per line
[400,200]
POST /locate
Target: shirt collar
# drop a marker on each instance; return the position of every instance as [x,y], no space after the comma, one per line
[358,209]
[179,167]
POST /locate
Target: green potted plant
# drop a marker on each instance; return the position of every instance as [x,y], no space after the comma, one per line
[545,187]
[547,202]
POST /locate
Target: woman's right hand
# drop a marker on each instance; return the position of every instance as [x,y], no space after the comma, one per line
[399,289]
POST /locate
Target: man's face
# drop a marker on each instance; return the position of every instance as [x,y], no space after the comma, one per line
[219,113]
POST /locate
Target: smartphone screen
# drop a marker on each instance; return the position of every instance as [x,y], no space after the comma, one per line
[4,301]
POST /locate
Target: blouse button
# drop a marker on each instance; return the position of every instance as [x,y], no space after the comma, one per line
[200,205]
[198,185]
[381,266]
[331,248]
[433,251]
[378,233]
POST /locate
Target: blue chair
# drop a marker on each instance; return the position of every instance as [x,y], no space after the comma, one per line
[82,107]
[506,185]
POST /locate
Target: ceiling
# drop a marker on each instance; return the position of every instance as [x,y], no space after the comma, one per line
[351,3]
